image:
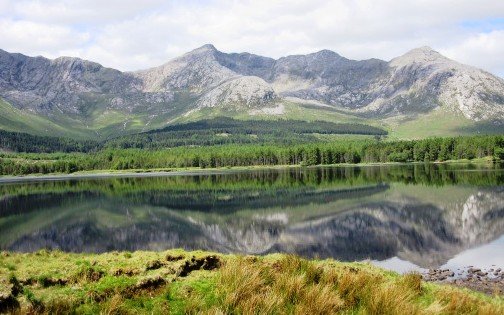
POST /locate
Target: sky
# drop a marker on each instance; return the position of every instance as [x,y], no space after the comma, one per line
[132,35]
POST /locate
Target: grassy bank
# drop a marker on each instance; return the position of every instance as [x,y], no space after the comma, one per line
[180,282]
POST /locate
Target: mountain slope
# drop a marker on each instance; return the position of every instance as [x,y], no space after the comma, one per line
[201,73]
[41,85]
[433,79]
[417,82]
[86,99]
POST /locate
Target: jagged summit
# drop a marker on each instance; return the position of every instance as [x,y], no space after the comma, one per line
[423,49]
[203,49]
[422,55]
[326,53]
[208,47]
[68,58]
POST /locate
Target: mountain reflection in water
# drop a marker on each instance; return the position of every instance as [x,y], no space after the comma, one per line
[422,214]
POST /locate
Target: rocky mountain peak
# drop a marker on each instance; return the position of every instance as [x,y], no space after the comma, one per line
[421,55]
[197,71]
[66,59]
[423,79]
[326,53]
[207,49]
[423,49]
[77,65]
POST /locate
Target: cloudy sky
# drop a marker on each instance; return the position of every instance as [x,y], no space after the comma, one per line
[131,34]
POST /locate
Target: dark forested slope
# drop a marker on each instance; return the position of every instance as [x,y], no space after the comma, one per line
[205,132]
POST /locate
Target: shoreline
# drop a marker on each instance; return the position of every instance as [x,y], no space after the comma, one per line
[138,173]
[486,280]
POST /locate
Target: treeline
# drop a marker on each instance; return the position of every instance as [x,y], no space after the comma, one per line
[435,149]
[224,124]
[173,139]
[428,150]
[23,142]
[224,130]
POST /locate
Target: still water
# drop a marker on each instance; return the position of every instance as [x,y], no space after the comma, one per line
[402,217]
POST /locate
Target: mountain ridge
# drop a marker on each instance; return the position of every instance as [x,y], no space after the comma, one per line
[81,93]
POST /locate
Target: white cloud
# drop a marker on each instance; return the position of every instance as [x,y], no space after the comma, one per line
[38,39]
[80,11]
[485,51]
[132,34]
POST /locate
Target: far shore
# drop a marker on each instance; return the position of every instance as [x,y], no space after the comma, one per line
[202,171]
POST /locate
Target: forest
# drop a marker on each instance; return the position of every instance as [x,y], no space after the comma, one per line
[242,155]
[217,131]
[23,142]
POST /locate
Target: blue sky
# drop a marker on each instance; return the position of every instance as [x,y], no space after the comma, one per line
[484,25]
[131,35]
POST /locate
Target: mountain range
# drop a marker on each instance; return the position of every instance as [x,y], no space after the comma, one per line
[420,93]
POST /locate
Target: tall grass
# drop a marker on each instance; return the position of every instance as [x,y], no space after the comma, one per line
[291,285]
[274,284]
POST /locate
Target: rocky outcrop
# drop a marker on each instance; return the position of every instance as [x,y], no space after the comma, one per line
[245,91]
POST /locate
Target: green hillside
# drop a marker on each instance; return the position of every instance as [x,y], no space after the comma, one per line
[94,122]
[439,123]
[102,124]
[13,119]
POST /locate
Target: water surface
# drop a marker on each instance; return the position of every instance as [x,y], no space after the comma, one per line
[402,217]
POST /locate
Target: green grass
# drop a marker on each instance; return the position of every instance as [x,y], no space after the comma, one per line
[13,119]
[103,124]
[310,112]
[292,110]
[437,123]
[96,124]
[179,282]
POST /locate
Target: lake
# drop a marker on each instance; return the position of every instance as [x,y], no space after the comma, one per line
[401,217]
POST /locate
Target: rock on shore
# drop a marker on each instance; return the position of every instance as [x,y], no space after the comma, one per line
[489,281]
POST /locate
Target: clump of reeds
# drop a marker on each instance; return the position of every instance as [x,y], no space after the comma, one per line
[291,285]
